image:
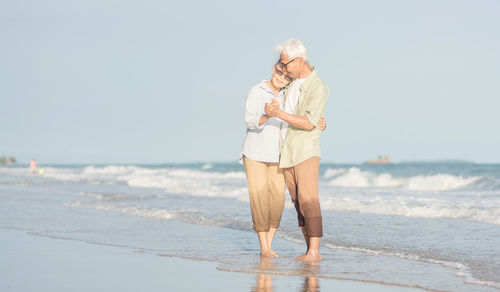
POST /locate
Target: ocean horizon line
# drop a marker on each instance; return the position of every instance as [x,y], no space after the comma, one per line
[226,162]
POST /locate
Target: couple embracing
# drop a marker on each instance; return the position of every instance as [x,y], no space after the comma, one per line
[282,146]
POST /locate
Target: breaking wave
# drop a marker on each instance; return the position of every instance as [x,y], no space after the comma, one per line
[356,178]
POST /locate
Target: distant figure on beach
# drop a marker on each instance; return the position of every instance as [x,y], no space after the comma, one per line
[33,166]
[260,157]
[305,101]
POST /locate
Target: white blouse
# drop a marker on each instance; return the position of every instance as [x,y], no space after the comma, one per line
[261,142]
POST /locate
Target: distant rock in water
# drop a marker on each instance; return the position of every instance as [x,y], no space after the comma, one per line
[7,160]
[379,160]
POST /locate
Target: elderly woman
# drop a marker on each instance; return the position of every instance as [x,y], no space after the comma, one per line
[260,157]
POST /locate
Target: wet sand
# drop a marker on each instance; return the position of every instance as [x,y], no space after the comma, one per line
[30,263]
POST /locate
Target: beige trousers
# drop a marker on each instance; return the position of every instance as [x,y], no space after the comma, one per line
[266,186]
[302,183]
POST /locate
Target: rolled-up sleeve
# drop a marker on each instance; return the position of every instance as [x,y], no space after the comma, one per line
[254,109]
[316,104]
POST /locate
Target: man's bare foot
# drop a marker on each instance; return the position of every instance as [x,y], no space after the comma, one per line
[274,254]
[309,257]
[300,257]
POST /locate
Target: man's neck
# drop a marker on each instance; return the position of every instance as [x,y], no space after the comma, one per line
[306,72]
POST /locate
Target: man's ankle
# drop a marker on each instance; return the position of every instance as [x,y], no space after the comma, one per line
[313,252]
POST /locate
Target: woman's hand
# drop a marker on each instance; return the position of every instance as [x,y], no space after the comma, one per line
[322,124]
[272,109]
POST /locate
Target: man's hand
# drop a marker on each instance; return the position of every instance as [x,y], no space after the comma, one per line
[322,124]
[273,108]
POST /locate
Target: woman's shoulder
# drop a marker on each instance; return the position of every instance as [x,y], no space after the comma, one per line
[257,90]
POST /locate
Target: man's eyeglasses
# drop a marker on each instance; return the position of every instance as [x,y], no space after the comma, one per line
[281,72]
[286,64]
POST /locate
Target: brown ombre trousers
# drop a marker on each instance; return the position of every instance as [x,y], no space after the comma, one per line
[302,183]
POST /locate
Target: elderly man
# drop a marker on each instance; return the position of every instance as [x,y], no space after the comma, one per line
[305,101]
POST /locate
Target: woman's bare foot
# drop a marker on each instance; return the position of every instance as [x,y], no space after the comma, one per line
[274,254]
[266,255]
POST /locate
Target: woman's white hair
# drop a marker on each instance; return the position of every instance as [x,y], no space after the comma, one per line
[293,49]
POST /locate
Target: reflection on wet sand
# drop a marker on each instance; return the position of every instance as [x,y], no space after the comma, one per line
[265,280]
[264,283]
[311,282]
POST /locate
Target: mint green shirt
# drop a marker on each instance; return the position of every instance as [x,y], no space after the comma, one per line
[300,145]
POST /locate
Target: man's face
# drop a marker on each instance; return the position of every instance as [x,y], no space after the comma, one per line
[293,67]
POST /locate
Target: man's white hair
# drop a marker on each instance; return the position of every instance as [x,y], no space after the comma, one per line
[293,49]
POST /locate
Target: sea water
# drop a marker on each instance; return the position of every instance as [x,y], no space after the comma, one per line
[429,225]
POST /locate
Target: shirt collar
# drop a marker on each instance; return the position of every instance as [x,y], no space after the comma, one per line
[264,86]
[309,79]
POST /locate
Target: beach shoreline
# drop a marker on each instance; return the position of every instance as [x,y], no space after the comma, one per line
[37,262]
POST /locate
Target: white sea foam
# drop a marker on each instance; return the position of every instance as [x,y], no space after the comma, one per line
[173,180]
[413,207]
[463,270]
[185,180]
[14,171]
[207,166]
[405,255]
[64,174]
[110,169]
[354,177]
[89,173]
[471,280]
[331,172]
[141,212]
[347,189]
[192,182]
[439,182]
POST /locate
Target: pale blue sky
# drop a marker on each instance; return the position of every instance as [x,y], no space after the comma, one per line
[165,81]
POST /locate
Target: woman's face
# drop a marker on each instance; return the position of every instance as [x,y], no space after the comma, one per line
[280,79]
